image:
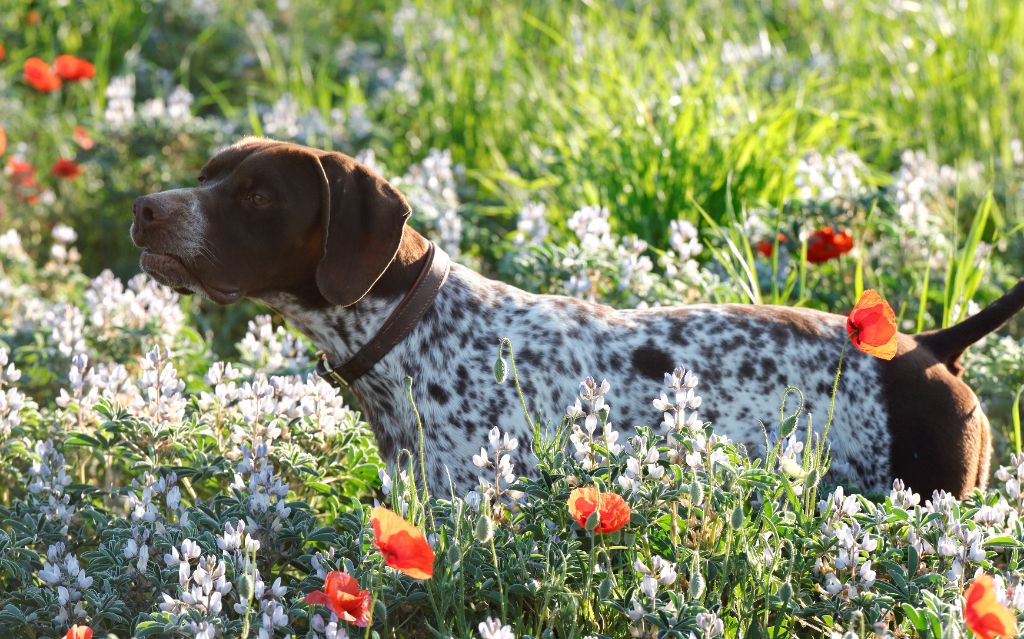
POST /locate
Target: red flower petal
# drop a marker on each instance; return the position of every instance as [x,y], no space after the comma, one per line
[341,594]
[79,632]
[403,545]
[871,326]
[612,510]
[70,67]
[66,169]
[317,598]
[984,615]
[41,76]
[825,244]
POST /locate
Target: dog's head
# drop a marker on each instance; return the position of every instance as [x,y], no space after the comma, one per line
[269,217]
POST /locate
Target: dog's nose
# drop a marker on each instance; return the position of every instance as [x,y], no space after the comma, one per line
[149,210]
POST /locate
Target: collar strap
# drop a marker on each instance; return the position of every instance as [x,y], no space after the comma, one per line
[397,326]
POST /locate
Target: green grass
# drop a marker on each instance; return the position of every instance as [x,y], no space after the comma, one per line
[659,111]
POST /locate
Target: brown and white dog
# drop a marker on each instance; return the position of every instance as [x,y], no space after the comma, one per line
[323,240]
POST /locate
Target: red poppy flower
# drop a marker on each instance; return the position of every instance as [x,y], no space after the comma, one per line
[985,616]
[403,545]
[612,510]
[342,595]
[767,247]
[23,178]
[825,244]
[41,75]
[70,67]
[871,326]
[81,138]
[23,174]
[66,168]
[79,632]
[2,52]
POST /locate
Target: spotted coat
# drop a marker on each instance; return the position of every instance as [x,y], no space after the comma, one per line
[745,358]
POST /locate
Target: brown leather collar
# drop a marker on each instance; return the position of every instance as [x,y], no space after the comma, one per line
[397,326]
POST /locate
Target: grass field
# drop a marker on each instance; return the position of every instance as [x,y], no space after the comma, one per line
[634,153]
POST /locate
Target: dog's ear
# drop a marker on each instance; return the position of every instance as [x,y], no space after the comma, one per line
[364,218]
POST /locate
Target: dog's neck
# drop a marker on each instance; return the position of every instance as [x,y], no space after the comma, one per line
[340,331]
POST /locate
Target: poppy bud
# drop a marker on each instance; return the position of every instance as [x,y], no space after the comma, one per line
[500,368]
[787,427]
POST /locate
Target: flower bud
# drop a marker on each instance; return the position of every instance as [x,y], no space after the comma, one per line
[696,588]
[696,492]
[737,518]
[484,529]
[500,368]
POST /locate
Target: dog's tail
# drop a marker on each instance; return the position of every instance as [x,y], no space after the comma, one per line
[948,344]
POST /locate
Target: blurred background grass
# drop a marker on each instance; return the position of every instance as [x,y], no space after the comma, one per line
[649,108]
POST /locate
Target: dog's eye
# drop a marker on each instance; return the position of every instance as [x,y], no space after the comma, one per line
[202,178]
[258,199]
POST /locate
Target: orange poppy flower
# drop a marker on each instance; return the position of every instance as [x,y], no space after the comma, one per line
[66,169]
[341,594]
[403,545]
[825,244]
[985,616]
[3,140]
[79,632]
[81,138]
[612,510]
[41,75]
[70,67]
[2,52]
[871,326]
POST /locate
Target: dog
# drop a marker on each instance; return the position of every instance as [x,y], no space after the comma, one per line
[323,240]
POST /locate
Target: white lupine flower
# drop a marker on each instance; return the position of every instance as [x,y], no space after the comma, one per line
[493,629]
[532,225]
[63,234]
[590,224]
[494,486]
[62,573]
[710,625]
[179,104]
[1017,151]
[820,178]
[683,239]
[120,110]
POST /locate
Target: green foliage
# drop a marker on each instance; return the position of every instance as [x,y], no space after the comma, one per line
[632,153]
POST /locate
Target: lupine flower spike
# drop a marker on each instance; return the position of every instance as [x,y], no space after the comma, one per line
[871,326]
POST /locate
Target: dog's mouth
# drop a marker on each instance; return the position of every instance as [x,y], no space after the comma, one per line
[170,271]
